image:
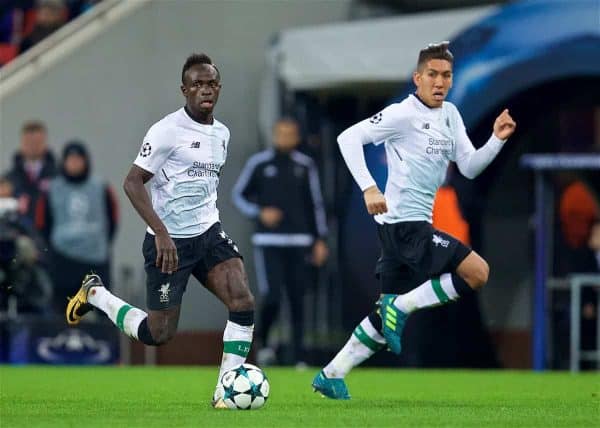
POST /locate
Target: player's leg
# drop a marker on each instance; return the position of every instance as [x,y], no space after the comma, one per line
[366,339]
[228,281]
[152,328]
[465,271]
[270,270]
[222,273]
[454,270]
[163,294]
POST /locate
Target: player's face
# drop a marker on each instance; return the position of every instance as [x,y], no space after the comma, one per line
[433,81]
[201,89]
[286,135]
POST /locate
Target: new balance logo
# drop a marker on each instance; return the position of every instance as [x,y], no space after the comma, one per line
[438,240]
[425,126]
[164,292]
[195,145]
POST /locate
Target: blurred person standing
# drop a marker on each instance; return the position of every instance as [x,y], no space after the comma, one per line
[279,188]
[578,251]
[32,169]
[79,218]
[50,15]
[578,211]
[21,274]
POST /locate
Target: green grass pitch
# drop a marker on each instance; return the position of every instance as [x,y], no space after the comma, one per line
[180,397]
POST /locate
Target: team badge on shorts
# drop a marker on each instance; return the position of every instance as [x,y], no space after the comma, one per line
[164,293]
[438,240]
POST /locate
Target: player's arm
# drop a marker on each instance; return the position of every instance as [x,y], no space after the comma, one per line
[374,130]
[156,148]
[472,162]
[166,252]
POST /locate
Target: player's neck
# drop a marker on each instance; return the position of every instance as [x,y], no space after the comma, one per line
[200,117]
[423,102]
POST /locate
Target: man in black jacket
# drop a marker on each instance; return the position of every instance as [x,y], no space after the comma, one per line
[32,169]
[280,189]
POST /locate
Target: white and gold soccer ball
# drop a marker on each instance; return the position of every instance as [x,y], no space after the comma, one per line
[244,387]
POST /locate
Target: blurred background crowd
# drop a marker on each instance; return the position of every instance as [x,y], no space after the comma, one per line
[71,127]
[24,23]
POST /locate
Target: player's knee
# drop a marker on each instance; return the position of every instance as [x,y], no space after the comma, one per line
[479,276]
[162,332]
[162,335]
[243,301]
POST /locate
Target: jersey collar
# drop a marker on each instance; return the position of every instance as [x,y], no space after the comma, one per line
[423,103]
[187,113]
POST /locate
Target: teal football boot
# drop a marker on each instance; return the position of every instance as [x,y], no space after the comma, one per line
[393,320]
[334,388]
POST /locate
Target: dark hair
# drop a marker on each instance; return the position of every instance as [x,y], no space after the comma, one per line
[435,51]
[33,126]
[197,59]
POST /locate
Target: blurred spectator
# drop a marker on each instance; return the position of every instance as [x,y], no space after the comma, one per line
[29,21]
[578,250]
[280,189]
[78,216]
[20,272]
[578,211]
[50,15]
[32,169]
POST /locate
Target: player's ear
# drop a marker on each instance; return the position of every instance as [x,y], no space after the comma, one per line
[183,90]
[417,78]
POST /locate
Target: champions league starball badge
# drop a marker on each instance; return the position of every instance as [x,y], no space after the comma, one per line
[146,149]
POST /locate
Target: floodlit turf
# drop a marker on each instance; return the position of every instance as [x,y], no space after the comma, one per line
[173,397]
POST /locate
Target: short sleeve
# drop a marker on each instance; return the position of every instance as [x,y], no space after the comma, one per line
[156,147]
[387,123]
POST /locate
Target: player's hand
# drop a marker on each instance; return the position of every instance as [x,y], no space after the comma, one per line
[504,126]
[320,253]
[375,201]
[166,253]
[271,216]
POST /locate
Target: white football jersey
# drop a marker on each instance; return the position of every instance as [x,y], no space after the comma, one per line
[186,158]
[419,142]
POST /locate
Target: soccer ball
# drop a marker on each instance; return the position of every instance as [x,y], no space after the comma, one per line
[244,387]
